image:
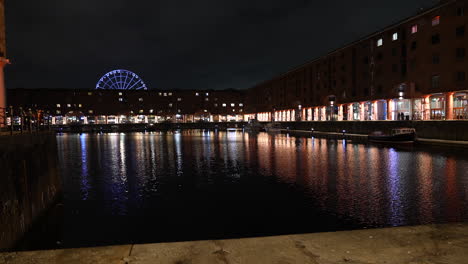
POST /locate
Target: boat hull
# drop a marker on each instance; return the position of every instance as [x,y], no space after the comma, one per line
[396,139]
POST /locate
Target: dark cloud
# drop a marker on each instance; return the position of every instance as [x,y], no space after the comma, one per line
[182,44]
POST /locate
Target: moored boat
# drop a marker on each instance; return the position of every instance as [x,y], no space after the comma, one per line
[273,127]
[397,136]
[253,126]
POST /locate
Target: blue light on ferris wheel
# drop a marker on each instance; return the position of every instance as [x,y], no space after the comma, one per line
[121,80]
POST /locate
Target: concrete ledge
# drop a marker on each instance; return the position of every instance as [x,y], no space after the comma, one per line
[418,244]
[443,142]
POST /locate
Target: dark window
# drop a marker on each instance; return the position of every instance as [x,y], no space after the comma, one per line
[379,89]
[460,11]
[413,64]
[403,69]
[394,68]
[379,56]
[413,45]
[460,53]
[403,50]
[366,91]
[435,81]
[353,93]
[343,67]
[435,39]
[460,76]
[460,31]
[435,59]
[394,51]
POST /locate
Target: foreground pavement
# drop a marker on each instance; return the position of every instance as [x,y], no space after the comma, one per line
[419,244]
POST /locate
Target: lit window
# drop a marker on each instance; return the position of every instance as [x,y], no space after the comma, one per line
[120,99]
[205,110]
[170,94]
[224,105]
[379,42]
[207,94]
[160,94]
[414,29]
[179,99]
[165,94]
[120,94]
[58,105]
[58,111]
[241,105]
[90,93]
[178,111]
[90,111]
[232,105]
[240,110]
[216,105]
[233,110]
[79,105]
[151,111]
[170,105]
[436,21]
[197,94]
[140,99]
[207,99]
[141,111]
[68,105]
[395,36]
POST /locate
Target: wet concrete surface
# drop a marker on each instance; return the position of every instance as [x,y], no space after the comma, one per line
[436,244]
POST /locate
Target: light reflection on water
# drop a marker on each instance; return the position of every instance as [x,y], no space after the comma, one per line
[203,184]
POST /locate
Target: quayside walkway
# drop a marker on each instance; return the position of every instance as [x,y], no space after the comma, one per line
[419,244]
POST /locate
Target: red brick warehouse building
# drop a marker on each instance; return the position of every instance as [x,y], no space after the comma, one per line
[414,69]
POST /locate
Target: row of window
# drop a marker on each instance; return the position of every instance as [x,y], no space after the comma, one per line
[170,104]
[141,111]
[459,77]
[460,31]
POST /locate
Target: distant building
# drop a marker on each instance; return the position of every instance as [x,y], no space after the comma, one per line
[100,106]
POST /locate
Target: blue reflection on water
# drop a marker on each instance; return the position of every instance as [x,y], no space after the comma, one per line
[200,184]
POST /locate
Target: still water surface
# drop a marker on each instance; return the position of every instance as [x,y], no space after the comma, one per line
[168,186]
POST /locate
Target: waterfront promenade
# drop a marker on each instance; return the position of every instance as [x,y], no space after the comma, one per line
[419,244]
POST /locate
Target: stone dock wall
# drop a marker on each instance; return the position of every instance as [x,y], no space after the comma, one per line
[443,130]
[29,183]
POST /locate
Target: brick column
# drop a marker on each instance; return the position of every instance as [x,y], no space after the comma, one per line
[449,106]
[389,109]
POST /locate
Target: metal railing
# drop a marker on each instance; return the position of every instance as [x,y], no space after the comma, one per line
[19,120]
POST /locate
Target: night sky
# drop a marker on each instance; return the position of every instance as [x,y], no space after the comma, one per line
[180,44]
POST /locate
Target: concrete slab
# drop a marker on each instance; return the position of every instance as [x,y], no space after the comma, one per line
[435,244]
[98,255]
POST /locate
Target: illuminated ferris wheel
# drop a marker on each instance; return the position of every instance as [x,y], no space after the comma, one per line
[121,80]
